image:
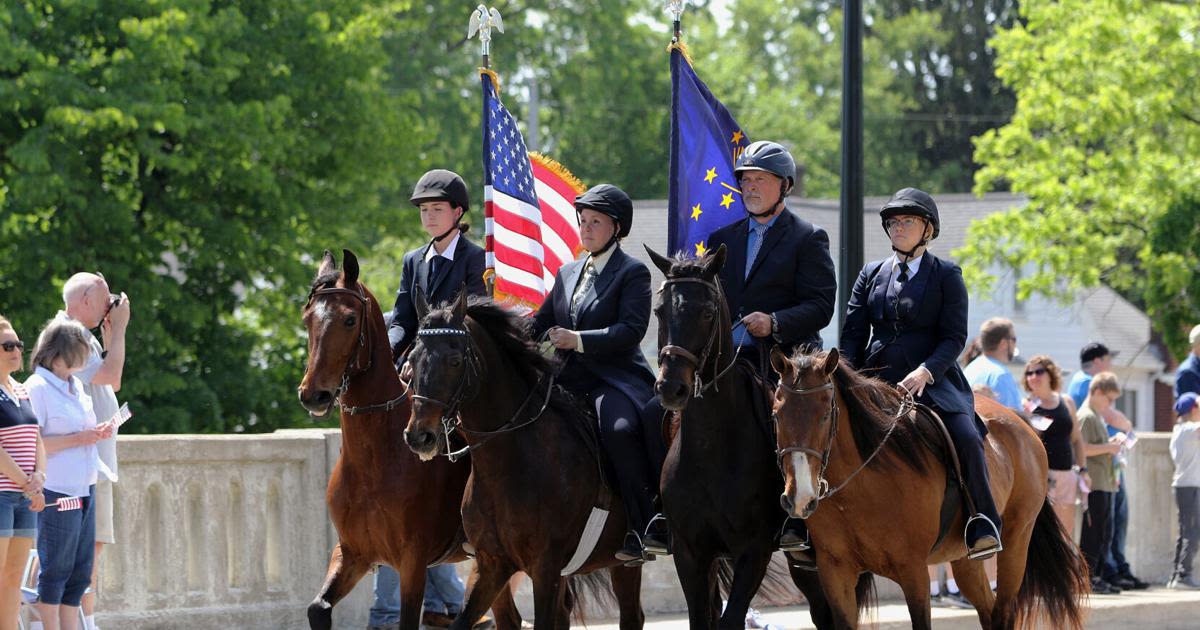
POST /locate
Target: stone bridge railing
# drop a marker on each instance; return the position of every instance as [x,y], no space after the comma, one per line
[231,532]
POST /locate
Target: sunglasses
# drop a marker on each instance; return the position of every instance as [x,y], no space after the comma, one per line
[9,346]
[1035,372]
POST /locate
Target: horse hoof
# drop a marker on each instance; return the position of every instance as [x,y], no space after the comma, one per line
[320,615]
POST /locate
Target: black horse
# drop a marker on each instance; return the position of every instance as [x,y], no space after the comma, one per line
[720,483]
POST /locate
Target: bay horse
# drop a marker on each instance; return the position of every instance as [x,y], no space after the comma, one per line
[882,457]
[384,503]
[720,487]
[536,473]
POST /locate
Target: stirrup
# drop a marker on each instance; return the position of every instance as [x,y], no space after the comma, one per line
[652,543]
[630,559]
[802,544]
[983,553]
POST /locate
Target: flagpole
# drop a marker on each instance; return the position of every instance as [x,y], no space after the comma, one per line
[675,8]
[482,21]
[851,255]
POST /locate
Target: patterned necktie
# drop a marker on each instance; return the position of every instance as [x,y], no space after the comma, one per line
[585,285]
[756,240]
[903,273]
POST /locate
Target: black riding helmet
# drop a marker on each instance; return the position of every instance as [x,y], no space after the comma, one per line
[441,185]
[913,202]
[610,200]
[772,158]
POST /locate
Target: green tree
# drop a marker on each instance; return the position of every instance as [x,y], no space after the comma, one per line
[201,153]
[1105,142]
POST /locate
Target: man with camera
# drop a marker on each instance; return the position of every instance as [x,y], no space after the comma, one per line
[87,300]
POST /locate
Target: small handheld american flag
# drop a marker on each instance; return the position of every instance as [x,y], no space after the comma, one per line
[67,504]
[121,416]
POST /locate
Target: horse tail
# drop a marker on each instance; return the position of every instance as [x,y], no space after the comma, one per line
[589,590]
[776,587]
[865,593]
[1056,576]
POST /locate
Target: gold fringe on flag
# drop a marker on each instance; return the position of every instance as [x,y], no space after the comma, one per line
[557,168]
[491,74]
[683,49]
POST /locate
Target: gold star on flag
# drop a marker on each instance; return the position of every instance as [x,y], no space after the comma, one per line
[737,136]
[726,200]
[696,212]
[700,248]
[710,175]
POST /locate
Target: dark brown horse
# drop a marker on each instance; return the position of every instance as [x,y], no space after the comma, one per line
[536,477]
[720,485]
[873,464]
[385,504]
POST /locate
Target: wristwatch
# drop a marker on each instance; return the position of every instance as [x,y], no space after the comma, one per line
[1079,469]
[774,327]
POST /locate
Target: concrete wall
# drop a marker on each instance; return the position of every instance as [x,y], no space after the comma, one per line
[231,532]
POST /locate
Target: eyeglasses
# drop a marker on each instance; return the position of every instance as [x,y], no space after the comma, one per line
[907,222]
[9,346]
[1035,372]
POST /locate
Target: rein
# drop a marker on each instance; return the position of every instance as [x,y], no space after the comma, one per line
[364,344]
[823,489]
[451,421]
[698,363]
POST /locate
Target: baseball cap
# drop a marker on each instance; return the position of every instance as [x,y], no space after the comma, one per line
[1093,351]
[1186,403]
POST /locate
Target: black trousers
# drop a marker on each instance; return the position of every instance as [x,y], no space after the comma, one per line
[969,446]
[634,449]
[1097,530]
[1187,499]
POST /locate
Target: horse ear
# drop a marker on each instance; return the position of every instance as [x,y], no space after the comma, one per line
[421,304]
[349,268]
[663,263]
[831,361]
[780,363]
[459,311]
[716,261]
[328,264]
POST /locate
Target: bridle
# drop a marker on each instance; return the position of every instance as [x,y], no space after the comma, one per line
[467,389]
[356,364]
[698,363]
[823,490]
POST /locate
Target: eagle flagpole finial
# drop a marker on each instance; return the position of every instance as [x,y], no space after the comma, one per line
[483,20]
[675,8]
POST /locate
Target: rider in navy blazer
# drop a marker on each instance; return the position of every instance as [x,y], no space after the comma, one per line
[907,326]
[442,197]
[596,316]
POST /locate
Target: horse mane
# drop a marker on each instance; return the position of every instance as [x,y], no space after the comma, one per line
[325,280]
[872,404]
[684,267]
[509,330]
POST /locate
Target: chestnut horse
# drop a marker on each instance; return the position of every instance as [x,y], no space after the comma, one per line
[536,475]
[720,486]
[865,468]
[385,504]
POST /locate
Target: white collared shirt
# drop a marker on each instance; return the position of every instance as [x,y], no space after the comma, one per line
[62,408]
[914,266]
[597,263]
[448,254]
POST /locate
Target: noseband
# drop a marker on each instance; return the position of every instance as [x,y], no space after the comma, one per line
[466,390]
[698,363]
[354,365]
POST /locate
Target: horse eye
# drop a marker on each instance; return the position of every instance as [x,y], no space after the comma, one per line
[350,321]
[708,314]
[454,361]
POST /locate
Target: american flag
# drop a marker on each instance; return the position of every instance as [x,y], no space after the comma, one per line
[528,207]
[66,504]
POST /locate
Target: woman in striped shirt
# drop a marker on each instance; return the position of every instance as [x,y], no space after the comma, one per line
[22,473]
[67,527]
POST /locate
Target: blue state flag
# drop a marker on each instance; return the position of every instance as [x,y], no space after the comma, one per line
[705,143]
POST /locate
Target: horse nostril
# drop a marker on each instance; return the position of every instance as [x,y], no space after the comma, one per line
[322,398]
[786,503]
[419,439]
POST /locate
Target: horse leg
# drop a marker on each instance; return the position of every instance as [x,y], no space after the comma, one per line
[699,586]
[489,577]
[1010,572]
[345,570]
[504,607]
[748,572]
[915,585]
[549,599]
[627,586]
[838,581]
[412,591]
[809,583]
[973,584]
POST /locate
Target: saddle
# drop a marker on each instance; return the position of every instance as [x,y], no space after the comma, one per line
[955,495]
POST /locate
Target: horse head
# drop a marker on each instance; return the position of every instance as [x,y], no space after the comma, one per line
[806,420]
[336,318]
[693,324]
[445,374]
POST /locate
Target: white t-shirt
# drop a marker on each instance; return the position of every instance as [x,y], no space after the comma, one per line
[1185,451]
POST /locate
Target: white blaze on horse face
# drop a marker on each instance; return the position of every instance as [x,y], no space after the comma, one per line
[803,489]
[322,311]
